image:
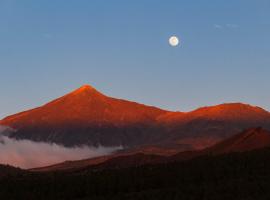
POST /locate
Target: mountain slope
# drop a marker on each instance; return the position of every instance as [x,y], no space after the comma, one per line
[248,140]
[206,126]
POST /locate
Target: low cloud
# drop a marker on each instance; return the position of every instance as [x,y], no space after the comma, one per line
[228,26]
[218,26]
[232,25]
[28,154]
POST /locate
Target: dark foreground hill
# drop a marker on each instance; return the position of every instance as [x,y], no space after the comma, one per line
[9,171]
[241,176]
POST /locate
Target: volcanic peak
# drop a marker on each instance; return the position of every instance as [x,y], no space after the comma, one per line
[85,89]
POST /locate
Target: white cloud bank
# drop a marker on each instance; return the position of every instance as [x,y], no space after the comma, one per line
[28,154]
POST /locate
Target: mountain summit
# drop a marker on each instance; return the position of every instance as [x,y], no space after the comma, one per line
[86,89]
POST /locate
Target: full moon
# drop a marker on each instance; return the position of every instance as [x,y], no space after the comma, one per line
[173,41]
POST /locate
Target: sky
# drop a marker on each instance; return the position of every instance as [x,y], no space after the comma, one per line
[49,48]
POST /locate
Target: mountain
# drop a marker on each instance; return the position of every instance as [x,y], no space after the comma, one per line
[209,125]
[88,117]
[7,171]
[248,140]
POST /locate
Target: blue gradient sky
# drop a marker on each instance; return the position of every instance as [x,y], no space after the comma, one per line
[48,48]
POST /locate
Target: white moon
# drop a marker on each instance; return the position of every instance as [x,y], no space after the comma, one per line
[173,41]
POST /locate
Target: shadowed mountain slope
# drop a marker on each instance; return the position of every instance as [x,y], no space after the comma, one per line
[248,140]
